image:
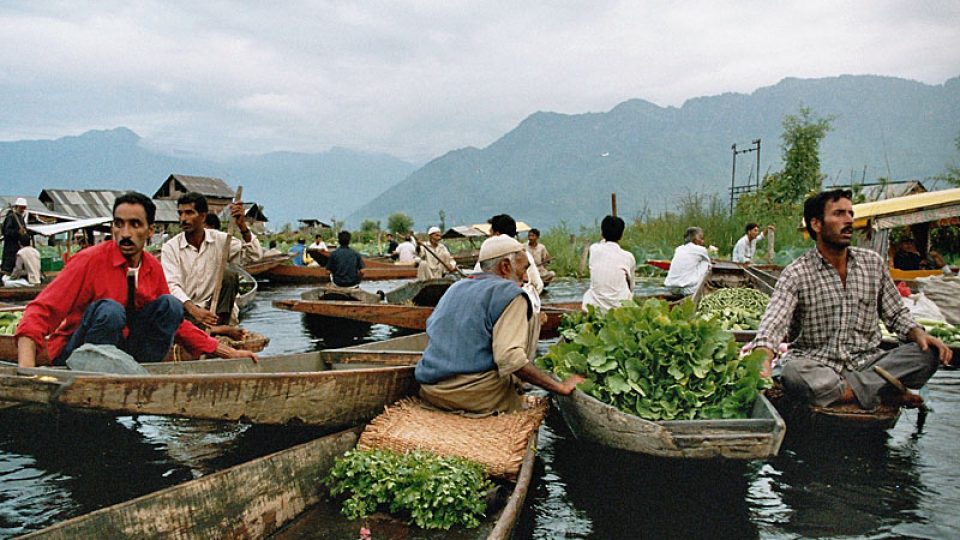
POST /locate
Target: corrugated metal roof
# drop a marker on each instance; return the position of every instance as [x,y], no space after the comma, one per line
[93,203]
[166,211]
[205,185]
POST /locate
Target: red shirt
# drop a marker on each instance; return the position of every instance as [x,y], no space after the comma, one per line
[98,273]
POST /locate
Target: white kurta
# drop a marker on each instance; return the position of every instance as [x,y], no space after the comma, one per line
[744,250]
[612,271]
[690,263]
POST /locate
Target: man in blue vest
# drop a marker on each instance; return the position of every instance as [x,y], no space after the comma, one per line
[479,338]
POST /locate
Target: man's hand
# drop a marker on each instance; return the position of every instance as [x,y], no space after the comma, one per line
[233,332]
[570,384]
[226,351]
[925,341]
[203,316]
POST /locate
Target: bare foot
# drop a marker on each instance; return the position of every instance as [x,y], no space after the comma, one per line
[233,332]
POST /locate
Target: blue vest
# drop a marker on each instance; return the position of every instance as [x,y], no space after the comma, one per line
[461,328]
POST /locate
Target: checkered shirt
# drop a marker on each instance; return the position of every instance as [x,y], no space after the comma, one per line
[825,321]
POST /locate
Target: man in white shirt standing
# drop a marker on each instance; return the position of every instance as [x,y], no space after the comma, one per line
[746,247]
[690,263]
[191,262]
[612,268]
[407,251]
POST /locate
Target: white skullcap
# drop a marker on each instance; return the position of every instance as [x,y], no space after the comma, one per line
[433,230]
[20,202]
[498,246]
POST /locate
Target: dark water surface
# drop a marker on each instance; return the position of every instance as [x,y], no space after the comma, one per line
[904,483]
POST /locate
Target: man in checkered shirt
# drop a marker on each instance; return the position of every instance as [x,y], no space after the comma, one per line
[827,304]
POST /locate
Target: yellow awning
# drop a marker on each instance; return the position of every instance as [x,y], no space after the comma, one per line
[920,202]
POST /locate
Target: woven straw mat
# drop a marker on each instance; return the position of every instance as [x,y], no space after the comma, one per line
[496,442]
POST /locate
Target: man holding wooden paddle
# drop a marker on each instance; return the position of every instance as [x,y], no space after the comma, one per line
[828,304]
[113,294]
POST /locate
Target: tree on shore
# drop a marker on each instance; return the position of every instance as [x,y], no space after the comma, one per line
[399,223]
[800,149]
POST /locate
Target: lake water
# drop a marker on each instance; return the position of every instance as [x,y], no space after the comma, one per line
[904,483]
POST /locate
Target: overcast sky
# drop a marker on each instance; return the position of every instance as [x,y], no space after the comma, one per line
[417,79]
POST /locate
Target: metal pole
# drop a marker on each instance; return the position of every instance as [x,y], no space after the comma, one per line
[758,163]
[733,175]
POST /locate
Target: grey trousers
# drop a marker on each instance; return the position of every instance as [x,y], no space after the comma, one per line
[821,385]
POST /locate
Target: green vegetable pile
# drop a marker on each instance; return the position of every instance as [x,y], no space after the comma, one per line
[9,321]
[436,492]
[947,332]
[736,308]
[658,363]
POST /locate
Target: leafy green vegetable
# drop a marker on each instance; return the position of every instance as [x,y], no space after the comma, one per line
[9,321]
[737,308]
[436,492]
[657,363]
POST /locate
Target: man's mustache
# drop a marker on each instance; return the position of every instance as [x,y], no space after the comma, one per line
[127,243]
[847,230]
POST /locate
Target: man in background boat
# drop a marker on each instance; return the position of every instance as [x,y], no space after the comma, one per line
[391,246]
[318,251]
[273,251]
[26,271]
[297,251]
[480,337]
[746,246]
[344,263]
[612,268]
[192,263]
[407,251]
[14,227]
[435,259]
[540,256]
[114,293]
[690,263]
[828,304]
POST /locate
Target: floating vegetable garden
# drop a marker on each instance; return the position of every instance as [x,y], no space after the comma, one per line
[658,363]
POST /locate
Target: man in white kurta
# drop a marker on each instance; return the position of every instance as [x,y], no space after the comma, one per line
[407,251]
[746,247]
[435,259]
[690,263]
[612,268]
[191,259]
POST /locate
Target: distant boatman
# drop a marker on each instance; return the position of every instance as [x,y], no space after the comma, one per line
[14,226]
[612,268]
[690,263]
[435,259]
[344,263]
[746,247]
[540,255]
[479,336]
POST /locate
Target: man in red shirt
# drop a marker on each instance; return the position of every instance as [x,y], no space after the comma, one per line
[114,294]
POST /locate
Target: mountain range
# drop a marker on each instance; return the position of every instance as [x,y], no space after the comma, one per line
[552,167]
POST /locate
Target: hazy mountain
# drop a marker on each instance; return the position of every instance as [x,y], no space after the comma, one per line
[289,185]
[557,167]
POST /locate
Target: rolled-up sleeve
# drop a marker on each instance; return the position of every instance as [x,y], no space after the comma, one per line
[510,337]
[245,252]
[779,313]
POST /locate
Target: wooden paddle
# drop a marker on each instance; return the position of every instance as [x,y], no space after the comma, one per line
[225,258]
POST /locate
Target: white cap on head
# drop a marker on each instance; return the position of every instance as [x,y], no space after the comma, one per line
[432,230]
[498,246]
[20,202]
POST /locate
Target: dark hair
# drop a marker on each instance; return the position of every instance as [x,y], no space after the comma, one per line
[132,197]
[344,238]
[273,244]
[814,207]
[318,236]
[198,201]
[211,221]
[301,241]
[612,228]
[534,231]
[503,224]
[750,227]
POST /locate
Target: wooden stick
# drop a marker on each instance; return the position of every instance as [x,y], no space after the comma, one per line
[225,258]
[613,204]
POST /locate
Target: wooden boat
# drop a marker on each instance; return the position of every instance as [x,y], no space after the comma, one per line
[757,437]
[20,294]
[278,491]
[248,291]
[308,389]
[8,347]
[289,273]
[847,417]
[658,263]
[265,264]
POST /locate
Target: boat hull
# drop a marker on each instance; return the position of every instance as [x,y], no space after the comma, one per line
[288,273]
[757,437]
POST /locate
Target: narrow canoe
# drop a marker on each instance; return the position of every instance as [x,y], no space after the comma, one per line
[266,264]
[8,347]
[757,437]
[248,291]
[835,418]
[277,491]
[308,389]
[19,294]
[288,273]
